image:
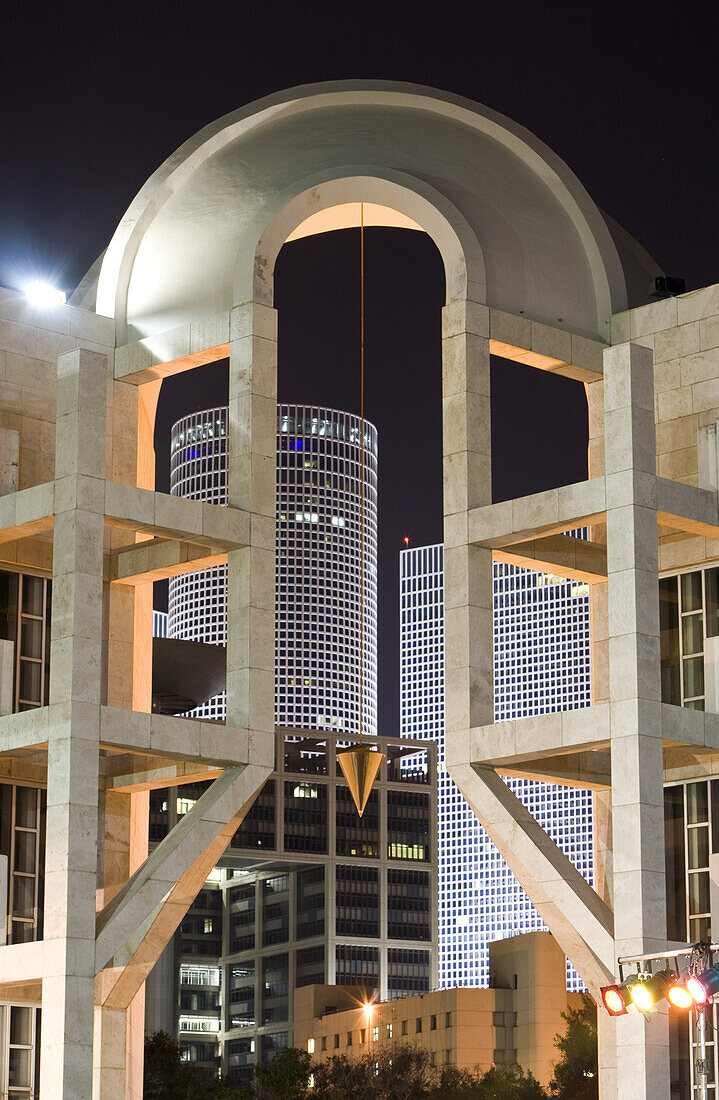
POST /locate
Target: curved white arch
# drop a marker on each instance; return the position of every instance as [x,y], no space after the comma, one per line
[567,228]
[455,241]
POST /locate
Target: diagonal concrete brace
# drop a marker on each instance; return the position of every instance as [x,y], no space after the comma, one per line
[576,916]
[136,926]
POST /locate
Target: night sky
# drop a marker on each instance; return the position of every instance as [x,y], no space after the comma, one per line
[96,97]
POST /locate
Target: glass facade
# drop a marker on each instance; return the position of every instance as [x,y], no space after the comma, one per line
[19,1052]
[329,876]
[318,568]
[25,610]
[541,664]
[688,616]
[335,913]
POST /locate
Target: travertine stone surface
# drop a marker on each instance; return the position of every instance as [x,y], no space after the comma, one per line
[251,486]
[467,484]
[635,703]
[74,729]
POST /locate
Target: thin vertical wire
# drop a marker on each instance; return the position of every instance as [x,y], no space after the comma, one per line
[362,477]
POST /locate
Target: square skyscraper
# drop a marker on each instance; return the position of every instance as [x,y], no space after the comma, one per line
[541,664]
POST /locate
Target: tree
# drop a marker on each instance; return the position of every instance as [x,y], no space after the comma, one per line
[401,1072]
[508,1084]
[286,1077]
[576,1074]
[167,1077]
[404,1072]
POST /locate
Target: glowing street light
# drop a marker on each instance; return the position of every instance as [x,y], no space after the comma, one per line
[43,295]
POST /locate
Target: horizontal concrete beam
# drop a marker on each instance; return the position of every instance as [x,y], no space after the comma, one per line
[27,512]
[23,962]
[687,508]
[506,744]
[153,773]
[172,517]
[545,347]
[24,730]
[201,742]
[180,349]
[530,517]
[562,555]
[162,558]
[697,730]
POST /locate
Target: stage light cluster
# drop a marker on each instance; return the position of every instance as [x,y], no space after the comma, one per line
[691,990]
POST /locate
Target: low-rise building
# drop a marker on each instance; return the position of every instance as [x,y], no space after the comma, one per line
[514,1022]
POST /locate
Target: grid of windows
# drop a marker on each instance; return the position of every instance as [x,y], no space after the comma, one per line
[407,973]
[541,664]
[318,567]
[357,966]
[357,901]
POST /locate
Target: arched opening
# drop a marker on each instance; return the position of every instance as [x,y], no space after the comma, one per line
[316,294]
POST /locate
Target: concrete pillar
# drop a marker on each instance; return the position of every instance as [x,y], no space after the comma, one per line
[110,1055]
[73,750]
[252,469]
[110,1030]
[467,481]
[635,700]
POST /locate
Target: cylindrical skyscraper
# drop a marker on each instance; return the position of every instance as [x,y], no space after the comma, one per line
[318,564]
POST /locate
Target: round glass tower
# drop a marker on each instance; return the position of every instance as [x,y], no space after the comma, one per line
[318,562]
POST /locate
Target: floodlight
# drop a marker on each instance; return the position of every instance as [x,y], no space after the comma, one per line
[679,995]
[613,999]
[616,997]
[647,994]
[704,986]
[43,295]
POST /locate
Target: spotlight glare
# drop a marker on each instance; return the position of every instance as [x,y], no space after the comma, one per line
[43,295]
[613,1001]
[642,998]
[704,986]
[648,993]
[680,996]
[696,990]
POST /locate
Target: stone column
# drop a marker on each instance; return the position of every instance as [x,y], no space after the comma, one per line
[252,471]
[73,750]
[467,480]
[635,701]
[113,870]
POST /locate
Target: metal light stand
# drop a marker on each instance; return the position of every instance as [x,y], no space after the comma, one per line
[701,1068]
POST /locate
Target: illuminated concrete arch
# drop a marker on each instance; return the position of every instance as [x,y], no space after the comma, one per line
[178,253]
[458,246]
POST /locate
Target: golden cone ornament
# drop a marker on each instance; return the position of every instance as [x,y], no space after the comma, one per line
[360,766]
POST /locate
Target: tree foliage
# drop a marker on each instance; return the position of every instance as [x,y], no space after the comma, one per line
[399,1072]
[286,1077]
[404,1072]
[167,1077]
[576,1075]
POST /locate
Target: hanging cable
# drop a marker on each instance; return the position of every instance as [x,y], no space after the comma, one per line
[362,478]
